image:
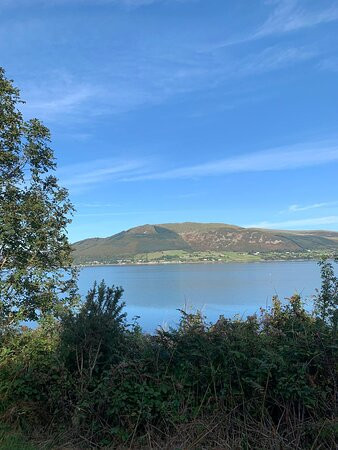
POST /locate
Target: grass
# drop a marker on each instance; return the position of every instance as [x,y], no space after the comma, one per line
[183,256]
[12,440]
[186,257]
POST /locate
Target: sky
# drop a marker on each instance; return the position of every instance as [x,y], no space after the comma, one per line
[183,110]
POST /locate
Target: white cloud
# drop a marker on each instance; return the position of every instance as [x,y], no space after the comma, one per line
[312,222]
[98,171]
[150,72]
[280,158]
[83,175]
[55,93]
[286,16]
[297,208]
[59,96]
[273,58]
[137,80]
[292,15]
[52,104]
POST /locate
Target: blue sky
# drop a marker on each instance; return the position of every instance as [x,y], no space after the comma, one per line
[184,110]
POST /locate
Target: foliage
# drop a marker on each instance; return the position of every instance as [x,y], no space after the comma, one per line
[265,382]
[10,440]
[35,256]
[326,300]
[92,338]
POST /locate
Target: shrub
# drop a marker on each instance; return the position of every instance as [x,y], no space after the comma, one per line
[265,382]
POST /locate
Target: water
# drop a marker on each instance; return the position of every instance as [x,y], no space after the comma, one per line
[155,292]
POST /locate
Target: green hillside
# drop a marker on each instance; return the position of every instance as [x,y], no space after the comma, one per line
[191,241]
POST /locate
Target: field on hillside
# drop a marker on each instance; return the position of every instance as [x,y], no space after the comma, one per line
[184,257]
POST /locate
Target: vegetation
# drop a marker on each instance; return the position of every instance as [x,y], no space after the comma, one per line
[182,256]
[92,380]
[10,440]
[35,256]
[85,377]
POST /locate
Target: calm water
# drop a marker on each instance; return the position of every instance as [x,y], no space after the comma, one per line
[155,292]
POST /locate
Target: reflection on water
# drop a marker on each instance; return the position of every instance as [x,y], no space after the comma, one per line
[155,292]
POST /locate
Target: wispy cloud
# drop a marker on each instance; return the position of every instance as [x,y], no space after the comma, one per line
[90,173]
[59,96]
[137,81]
[149,72]
[312,222]
[292,15]
[298,208]
[286,16]
[57,92]
[98,171]
[281,158]
[273,58]
[52,105]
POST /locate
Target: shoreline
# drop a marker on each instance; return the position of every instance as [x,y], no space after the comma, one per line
[192,262]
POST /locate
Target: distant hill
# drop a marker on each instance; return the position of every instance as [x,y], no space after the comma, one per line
[193,237]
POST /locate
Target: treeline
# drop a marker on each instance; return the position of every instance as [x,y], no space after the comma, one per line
[91,380]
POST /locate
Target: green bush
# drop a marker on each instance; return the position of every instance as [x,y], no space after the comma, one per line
[265,382]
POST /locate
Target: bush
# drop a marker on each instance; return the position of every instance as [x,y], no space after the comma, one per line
[92,338]
[265,382]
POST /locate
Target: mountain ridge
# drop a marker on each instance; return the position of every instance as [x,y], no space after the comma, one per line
[192,237]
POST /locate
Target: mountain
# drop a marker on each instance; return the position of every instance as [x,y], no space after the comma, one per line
[190,237]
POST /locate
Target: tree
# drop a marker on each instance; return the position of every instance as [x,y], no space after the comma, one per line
[36,276]
[326,300]
[93,337]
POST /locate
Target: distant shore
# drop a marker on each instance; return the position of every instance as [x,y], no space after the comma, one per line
[163,263]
